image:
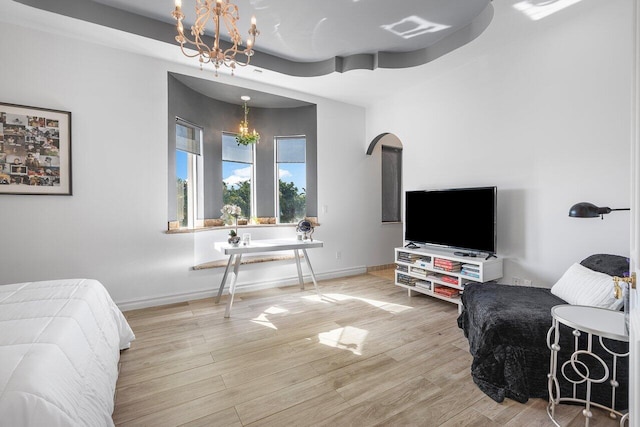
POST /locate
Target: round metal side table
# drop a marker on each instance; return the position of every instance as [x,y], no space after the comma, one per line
[598,323]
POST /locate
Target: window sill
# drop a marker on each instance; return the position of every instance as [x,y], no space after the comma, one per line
[173,230]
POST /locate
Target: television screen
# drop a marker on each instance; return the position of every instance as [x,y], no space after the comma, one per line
[462,218]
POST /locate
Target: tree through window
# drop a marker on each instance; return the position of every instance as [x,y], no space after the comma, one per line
[238,174]
[291,170]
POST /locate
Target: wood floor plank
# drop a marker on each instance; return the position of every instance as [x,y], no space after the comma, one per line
[265,406]
[385,405]
[365,354]
[307,413]
[225,418]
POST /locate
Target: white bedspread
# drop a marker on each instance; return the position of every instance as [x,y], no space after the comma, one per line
[60,343]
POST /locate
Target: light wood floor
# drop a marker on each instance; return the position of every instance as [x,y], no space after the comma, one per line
[365,355]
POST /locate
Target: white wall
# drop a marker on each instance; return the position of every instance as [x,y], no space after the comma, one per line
[112,228]
[540,109]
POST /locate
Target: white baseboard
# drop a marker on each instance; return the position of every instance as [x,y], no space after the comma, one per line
[241,287]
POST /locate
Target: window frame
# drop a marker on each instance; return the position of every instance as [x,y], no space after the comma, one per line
[195,175]
[253,198]
[277,173]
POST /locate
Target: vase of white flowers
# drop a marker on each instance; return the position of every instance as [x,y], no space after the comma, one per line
[230,214]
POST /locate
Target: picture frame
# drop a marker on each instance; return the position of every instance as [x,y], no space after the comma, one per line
[35,150]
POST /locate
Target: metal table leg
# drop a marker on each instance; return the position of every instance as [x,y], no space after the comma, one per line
[313,276]
[232,287]
[224,279]
[296,252]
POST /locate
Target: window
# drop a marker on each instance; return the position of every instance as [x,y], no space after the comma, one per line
[391,183]
[238,174]
[291,170]
[188,173]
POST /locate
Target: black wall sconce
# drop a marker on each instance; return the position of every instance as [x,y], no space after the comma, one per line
[589,210]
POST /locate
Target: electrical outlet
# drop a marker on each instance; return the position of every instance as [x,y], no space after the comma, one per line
[517,281]
[339,255]
[527,282]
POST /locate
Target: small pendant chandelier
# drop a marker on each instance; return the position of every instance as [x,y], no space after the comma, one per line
[220,12]
[244,137]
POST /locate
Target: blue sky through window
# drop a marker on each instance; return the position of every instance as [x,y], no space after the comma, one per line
[181,164]
[294,172]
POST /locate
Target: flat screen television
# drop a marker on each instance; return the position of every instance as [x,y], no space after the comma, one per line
[459,218]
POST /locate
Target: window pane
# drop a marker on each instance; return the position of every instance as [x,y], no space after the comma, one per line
[182,189]
[233,152]
[237,172]
[237,185]
[292,179]
[391,183]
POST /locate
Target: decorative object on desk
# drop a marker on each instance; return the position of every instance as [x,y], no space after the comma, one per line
[246,239]
[234,239]
[305,227]
[222,13]
[244,137]
[230,214]
[589,210]
[35,150]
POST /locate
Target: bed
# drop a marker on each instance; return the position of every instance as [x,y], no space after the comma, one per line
[60,343]
[507,331]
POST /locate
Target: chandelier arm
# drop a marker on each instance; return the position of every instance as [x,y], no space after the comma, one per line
[190,55]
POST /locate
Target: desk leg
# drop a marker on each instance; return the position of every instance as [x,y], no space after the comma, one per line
[313,276]
[232,287]
[224,279]
[296,252]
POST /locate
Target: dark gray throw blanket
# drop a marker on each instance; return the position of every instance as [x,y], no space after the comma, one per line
[507,331]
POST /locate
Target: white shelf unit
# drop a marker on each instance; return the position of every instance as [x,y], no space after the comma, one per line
[417,271]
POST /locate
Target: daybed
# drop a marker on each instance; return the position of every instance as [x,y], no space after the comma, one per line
[60,343]
[507,331]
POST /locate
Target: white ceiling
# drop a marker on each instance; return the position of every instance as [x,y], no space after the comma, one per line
[312,30]
[357,87]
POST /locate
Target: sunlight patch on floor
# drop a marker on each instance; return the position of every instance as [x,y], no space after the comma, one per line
[347,338]
[386,306]
[264,321]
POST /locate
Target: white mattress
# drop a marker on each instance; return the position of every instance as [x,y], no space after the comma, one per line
[60,343]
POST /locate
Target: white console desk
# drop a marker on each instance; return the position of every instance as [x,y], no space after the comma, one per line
[258,246]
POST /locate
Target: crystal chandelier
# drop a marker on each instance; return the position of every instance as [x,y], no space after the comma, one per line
[244,137]
[219,12]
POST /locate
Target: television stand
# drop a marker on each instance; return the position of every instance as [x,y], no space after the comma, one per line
[441,273]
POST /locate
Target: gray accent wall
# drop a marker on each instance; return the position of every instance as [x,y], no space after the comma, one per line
[215,117]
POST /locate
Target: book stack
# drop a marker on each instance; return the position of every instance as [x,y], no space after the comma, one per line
[408,257]
[407,280]
[446,291]
[470,270]
[446,265]
[419,271]
[449,279]
[425,286]
[402,268]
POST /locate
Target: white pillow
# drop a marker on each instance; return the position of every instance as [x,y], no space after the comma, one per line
[582,286]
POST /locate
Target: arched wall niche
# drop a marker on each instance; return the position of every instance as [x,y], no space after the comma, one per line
[388,139]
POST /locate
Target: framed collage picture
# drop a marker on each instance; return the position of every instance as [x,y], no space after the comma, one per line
[35,150]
